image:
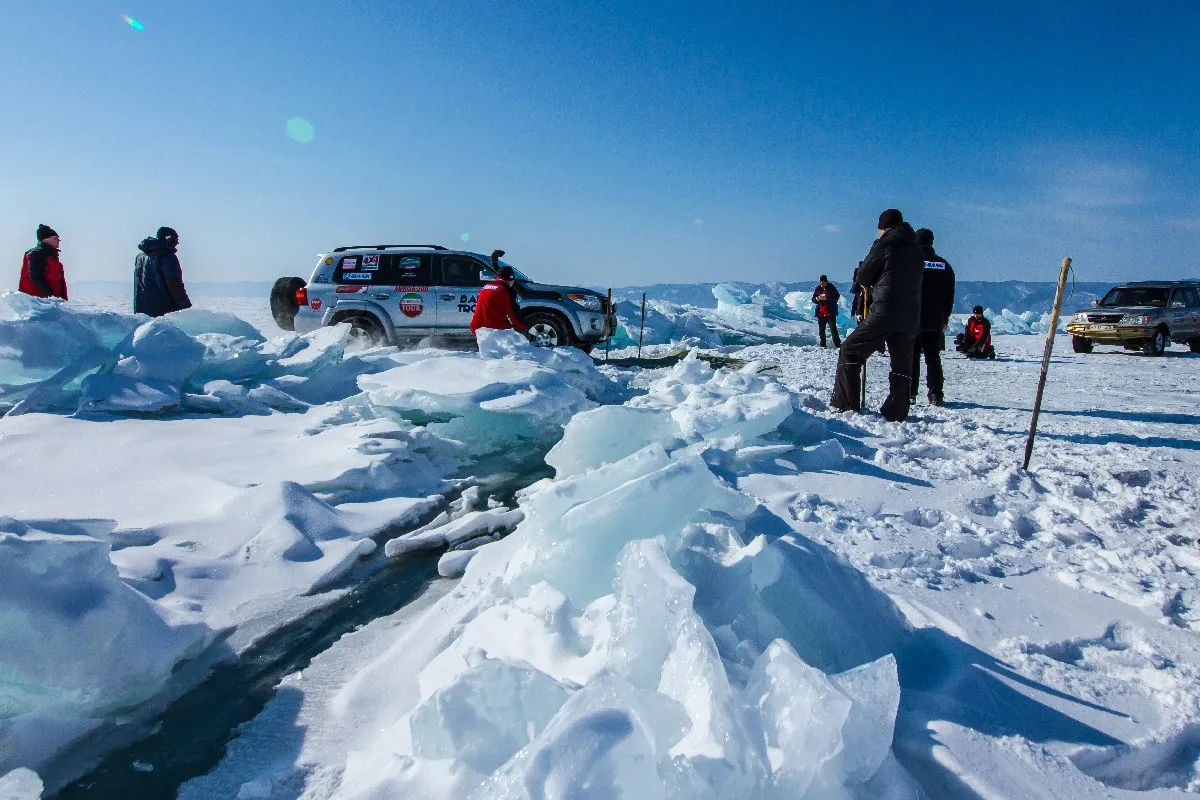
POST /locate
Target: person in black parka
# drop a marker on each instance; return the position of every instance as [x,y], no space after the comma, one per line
[892,271]
[157,276]
[937,303]
[825,298]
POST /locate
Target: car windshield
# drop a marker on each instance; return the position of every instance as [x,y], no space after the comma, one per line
[1136,296]
[521,276]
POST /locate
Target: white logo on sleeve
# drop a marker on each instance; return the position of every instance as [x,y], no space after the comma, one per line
[935,265]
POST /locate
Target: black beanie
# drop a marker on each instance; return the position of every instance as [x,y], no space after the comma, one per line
[925,237]
[890,219]
[45,232]
[977,310]
[166,234]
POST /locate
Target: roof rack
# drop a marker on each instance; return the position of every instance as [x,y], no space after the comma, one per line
[1185,282]
[386,247]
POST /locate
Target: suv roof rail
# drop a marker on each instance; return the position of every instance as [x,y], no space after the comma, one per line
[386,246]
[1160,283]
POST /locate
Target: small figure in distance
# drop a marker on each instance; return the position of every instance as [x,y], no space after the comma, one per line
[157,276]
[892,272]
[41,272]
[937,303]
[825,298]
[495,307]
[976,340]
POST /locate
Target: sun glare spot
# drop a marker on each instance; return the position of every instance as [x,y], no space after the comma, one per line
[300,130]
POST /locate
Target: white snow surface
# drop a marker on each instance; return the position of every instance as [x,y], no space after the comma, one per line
[725,591]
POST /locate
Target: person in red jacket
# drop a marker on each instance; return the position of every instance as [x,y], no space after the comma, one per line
[41,271]
[976,340]
[495,307]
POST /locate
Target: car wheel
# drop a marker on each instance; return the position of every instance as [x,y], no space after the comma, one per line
[364,332]
[1080,344]
[1194,345]
[547,330]
[1155,345]
[283,302]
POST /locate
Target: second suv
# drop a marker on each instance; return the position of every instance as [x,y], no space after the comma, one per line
[1145,316]
[389,293]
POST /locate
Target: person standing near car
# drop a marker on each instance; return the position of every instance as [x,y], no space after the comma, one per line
[41,272]
[892,271]
[826,298]
[157,276]
[937,303]
[495,307]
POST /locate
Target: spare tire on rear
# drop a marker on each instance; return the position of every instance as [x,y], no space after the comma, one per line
[283,302]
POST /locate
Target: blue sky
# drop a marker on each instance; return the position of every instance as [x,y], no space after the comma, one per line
[605,143]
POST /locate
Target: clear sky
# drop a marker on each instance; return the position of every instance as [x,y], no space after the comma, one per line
[606,143]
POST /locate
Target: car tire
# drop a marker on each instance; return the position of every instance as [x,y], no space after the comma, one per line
[1156,345]
[547,330]
[1080,345]
[283,302]
[365,331]
[1194,345]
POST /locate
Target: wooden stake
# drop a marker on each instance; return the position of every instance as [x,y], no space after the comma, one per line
[642,329]
[608,340]
[862,401]
[1037,402]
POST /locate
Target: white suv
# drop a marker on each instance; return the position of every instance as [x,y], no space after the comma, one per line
[391,293]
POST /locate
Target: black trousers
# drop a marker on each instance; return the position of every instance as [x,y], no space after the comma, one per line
[931,343]
[832,323]
[864,340]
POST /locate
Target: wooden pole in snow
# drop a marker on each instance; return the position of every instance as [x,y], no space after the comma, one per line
[862,401]
[1037,401]
[608,340]
[642,329]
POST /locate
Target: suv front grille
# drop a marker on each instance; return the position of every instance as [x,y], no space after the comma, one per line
[1104,317]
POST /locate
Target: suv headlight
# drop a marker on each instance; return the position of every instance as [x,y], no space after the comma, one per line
[589,301]
[1080,319]
[1135,319]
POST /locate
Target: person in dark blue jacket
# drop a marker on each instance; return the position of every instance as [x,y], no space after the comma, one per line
[157,276]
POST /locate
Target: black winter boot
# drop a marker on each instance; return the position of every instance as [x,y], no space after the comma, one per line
[895,407]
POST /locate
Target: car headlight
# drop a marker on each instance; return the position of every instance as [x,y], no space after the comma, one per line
[589,301]
[1135,319]
[1080,319]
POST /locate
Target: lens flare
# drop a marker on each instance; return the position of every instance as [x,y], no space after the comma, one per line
[133,23]
[300,130]
[466,237]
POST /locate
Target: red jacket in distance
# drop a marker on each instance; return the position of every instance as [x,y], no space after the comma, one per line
[42,273]
[979,331]
[495,309]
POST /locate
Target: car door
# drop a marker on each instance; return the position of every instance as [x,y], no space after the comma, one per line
[1190,326]
[411,301]
[461,278]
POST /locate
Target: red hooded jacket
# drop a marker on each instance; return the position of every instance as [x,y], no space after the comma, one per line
[42,273]
[495,309]
[979,330]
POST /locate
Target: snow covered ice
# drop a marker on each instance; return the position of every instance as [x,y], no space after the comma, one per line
[720,591]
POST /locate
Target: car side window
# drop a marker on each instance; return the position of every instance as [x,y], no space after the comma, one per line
[1188,297]
[409,269]
[360,269]
[462,271]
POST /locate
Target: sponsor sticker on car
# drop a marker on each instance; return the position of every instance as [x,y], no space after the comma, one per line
[410,288]
[357,276]
[315,304]
[349,262]
[411,305]
[370,263]
[351,289]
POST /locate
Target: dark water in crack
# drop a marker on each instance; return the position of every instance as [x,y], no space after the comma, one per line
[189,737]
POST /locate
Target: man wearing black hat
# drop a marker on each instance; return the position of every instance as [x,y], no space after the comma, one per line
[825,298]
[41,272]
[157,276]
[892,271]
[937,302]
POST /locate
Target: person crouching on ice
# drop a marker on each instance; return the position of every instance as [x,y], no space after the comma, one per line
[495,307]
[976,340]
